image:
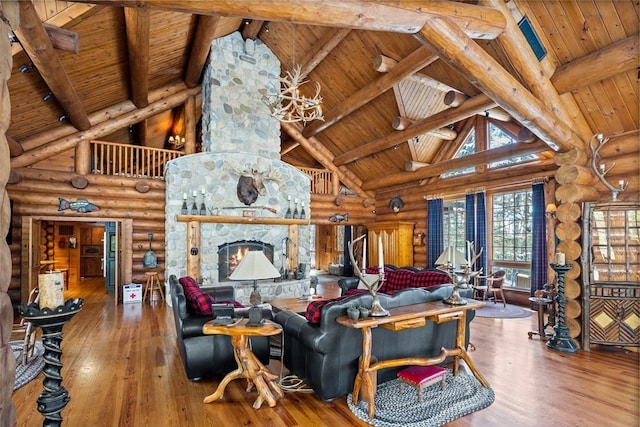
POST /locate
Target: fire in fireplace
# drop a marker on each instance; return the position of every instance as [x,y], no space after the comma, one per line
[230,255]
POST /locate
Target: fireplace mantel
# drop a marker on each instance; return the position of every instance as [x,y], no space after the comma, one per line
[241,220]
[194,237]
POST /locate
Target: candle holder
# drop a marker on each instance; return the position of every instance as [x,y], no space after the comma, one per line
[561,341]
[54,396]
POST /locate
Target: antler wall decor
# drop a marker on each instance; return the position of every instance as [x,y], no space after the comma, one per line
[289,106]
[372,282]
[600,169]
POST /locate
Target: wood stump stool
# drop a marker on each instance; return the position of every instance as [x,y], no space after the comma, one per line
[153,281]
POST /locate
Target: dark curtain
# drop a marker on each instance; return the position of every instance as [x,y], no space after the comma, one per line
[347,269]
[469,223]
[435,231]
[539,232]
[481,232]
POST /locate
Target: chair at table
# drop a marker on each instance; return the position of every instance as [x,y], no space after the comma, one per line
[494,283]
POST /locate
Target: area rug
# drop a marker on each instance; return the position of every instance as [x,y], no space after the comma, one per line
[26,373]
[499,311]
[396,406]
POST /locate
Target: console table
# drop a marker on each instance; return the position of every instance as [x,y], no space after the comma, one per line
[407,317]
[249,366]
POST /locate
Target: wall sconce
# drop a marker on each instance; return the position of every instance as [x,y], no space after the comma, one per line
[418,239]
[73,242]
[395,204]
[550,212]
[177,141]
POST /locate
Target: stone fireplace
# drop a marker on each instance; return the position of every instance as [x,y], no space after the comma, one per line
[230,255]
[239,138]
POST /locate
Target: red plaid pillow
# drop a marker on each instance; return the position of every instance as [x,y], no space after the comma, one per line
[394,280]
[314,310]
[198,302]
[425,279]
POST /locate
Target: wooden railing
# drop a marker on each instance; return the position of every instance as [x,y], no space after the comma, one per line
[321,180]
[109,158]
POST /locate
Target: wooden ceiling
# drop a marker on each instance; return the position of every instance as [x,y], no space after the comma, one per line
[134,56]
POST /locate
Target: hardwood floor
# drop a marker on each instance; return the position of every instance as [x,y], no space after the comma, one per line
[122,368]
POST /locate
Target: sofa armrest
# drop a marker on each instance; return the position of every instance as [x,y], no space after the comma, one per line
[221,293]
[347,283]
[296,326]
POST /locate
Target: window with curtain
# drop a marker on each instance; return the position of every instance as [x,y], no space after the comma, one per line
[453,222]
[512,237]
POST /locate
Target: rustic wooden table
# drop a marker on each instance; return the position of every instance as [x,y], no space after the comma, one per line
[249,366]
[295,304]
[407,317]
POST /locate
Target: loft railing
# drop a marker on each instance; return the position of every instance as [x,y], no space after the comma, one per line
[110,158]
[321,180]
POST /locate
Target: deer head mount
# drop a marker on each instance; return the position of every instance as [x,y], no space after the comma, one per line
[251,181]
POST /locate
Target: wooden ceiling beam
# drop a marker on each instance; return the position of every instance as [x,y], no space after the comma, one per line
[251,29]
[415,61]
[62,39]
[617,58]
[200,47]
[323,47]
[325,158]
[137,28]
[526,64]
[384,64]
[483,157]
[466,56]
[400,16]
[15,149]
[469,108]
[37,45]
[105,128]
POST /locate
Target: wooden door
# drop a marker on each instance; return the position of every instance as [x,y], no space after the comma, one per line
[325,246]
[31,231]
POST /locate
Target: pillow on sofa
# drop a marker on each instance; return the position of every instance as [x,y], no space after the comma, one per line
[427,278]
[314,310]
[198,302]
[395,280]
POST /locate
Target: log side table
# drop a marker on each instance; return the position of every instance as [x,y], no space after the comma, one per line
[249,366]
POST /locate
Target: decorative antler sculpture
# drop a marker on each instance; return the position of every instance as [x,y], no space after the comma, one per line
[461,281]
[372,285]
[601,170]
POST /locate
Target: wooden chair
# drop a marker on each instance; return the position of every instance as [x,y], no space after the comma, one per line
[29,331]
[153,282]
[494,283]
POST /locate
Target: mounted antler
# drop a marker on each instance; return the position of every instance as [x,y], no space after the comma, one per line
[376,308]
[601,171]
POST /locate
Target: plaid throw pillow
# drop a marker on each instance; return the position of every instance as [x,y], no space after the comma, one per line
[198,302]
[425,279]
[394,280]
[314,310]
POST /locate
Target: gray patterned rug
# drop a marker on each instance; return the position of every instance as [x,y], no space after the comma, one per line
[395,407]
[499,311]
[27,372]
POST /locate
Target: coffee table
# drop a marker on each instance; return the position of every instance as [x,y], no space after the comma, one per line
[295,304]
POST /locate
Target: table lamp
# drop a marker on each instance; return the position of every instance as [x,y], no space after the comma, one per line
[450,258]
[255,266]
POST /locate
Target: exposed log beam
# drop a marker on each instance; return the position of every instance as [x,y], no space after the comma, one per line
[384,64]
[402,123]
[66,143]
[15,149]
[62,39]
[325,44]
[530,70]
[287,146]
[471,107]
[617,58]
[137,27]
[398,16]
[251,29]
[200,47]
[417,60]
[38,47]
[483,157]
[325,157]
[487,74]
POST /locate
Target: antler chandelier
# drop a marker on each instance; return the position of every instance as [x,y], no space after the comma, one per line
[289,105]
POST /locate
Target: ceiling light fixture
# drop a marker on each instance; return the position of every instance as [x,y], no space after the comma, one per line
[47,97]
[291,106]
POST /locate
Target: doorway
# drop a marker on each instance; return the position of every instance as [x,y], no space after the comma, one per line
[87,248]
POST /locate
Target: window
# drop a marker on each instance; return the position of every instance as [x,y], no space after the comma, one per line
[498,138]
[512,238]
[453,223]
[469,147]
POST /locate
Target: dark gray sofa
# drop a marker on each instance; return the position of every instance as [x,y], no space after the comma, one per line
[208,355]
[326,355]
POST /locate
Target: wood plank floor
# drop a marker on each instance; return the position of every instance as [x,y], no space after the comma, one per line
[122,368]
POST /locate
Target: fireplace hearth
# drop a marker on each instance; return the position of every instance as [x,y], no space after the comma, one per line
[230,255]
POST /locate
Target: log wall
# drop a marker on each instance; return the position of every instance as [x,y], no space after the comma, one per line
[7,360]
